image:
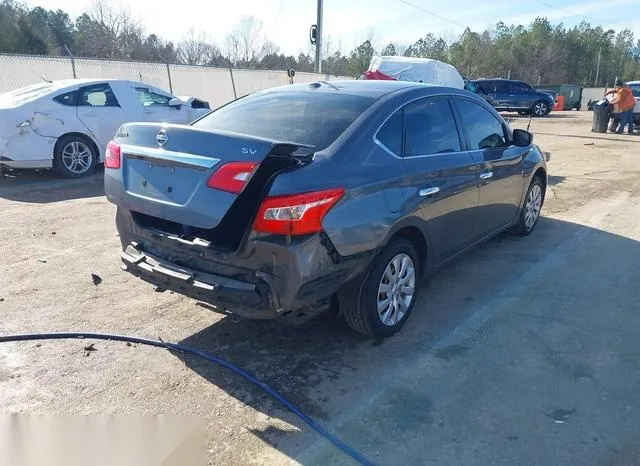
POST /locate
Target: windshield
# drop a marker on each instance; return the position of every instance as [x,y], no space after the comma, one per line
[312,119]
[635,89]
[25,95]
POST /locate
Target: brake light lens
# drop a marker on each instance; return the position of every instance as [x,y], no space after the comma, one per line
[112,155]
[299,214]
[232,177]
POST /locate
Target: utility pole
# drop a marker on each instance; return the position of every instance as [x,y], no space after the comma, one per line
[73,61]
[318,64]
[595,84]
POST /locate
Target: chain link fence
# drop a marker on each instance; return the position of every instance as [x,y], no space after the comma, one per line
[215,85]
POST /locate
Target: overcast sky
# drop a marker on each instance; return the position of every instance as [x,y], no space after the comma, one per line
[349,22]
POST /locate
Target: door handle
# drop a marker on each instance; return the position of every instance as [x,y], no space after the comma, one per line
[429,191]
[486,175]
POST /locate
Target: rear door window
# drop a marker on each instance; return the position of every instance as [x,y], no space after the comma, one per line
[635,89]
[390,134]
[502,88]
[315,119]
[67,99]
[97,95]
[517,88]
[486,86]
[430,128]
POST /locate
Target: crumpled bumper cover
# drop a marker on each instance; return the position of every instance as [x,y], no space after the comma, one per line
[247,299]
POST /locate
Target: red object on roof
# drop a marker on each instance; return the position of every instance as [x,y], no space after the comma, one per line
[378,75]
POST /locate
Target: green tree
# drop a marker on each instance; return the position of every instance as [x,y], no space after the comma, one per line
[389,50]
[360,58]
[60,30]
[429,47]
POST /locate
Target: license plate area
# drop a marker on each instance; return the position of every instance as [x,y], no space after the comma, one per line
[159,180]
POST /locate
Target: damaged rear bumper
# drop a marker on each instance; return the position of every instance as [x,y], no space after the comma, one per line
[270,278]
[250,299]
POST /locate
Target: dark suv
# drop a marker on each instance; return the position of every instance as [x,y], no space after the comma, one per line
[289,199]
[513,96]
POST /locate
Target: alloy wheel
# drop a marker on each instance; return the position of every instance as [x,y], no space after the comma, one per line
[77,157]
[540,109]
[532,206]
[396,290]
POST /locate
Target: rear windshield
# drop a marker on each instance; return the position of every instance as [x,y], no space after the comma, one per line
[25,95]
[307,118]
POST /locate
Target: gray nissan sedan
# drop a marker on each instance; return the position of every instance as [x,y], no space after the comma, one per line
[293,200]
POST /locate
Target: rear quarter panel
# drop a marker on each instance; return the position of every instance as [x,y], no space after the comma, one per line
[370,208]
[48,121]
[371,204]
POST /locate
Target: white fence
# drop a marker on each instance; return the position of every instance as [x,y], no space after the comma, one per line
[216,85]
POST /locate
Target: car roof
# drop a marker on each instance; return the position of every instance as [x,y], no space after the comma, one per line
[61,84]
[633,82]
[359,87]
[85,82]
[501,79]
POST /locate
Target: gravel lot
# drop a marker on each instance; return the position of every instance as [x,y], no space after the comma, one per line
[524,352]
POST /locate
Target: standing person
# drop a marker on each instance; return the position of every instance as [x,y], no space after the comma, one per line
[624,102]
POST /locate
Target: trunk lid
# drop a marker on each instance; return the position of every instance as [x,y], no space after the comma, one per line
[165,168]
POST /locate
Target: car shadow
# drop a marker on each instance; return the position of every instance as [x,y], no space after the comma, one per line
[555,180]
[44,186]
[552,115]
[326,369]
[612,138]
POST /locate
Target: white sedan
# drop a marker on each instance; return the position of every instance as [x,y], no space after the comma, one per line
[66,125]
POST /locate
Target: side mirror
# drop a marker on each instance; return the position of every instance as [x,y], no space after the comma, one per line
[522,138]
[176,103]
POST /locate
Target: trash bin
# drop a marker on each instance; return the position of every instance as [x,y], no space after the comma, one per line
[601,117]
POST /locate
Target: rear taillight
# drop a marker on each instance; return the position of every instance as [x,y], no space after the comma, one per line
[299,214]
[232,176]
[112,155]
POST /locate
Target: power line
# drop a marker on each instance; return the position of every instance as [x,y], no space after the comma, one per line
[282,2]
[549,5]
[418,7]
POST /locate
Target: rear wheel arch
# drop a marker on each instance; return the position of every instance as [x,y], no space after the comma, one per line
[68,140]
[542,174]
[64,136]
[415,231]
[416,237]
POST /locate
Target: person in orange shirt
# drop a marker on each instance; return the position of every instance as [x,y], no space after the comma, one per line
[624,102]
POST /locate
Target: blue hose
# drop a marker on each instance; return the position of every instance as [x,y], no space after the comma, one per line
[204,355]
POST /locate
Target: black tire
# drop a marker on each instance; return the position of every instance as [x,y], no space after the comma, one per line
[359,299]
[524,227]
[540,109]
[74,156]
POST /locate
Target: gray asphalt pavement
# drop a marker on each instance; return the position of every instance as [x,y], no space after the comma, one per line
[545,372]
